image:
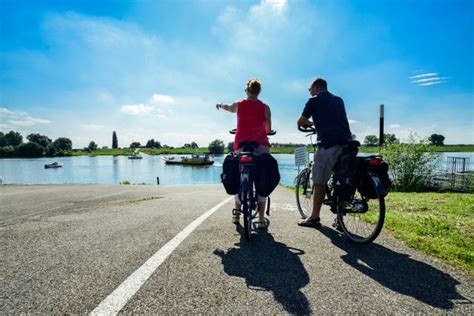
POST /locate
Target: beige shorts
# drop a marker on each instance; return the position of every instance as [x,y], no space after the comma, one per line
[324,162]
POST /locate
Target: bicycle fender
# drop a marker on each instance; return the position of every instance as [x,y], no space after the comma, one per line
[377,184]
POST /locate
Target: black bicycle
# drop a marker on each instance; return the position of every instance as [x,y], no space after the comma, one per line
[358,201]
[247,191]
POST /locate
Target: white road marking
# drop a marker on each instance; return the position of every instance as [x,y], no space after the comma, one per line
[113,303]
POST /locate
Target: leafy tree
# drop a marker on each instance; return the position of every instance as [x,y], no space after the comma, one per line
[30,149]
[42,140]
[371,140]
[194,145]
[153,144]
[14,138]
[187,146]
[216,147]
[230,146]
[3,140]
[135,145]
[63,144]
[7,151]
[390,139]
[114,140]
[436,140]
[92,146]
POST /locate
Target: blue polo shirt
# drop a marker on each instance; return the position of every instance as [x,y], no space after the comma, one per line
[329,118]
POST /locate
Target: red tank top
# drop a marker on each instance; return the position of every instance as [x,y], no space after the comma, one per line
[251,123]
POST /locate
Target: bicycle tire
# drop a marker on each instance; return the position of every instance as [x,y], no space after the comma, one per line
[351,222]
[304,192]
[247,214]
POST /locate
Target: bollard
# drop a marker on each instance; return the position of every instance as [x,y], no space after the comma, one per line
[158,180]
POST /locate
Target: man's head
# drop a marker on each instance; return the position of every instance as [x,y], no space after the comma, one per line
[253,87]
[317,86]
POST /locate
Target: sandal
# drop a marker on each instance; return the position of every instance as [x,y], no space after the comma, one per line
[310,222]
[261,225]
[235,216]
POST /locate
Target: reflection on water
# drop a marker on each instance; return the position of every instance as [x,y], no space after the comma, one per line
[112,170]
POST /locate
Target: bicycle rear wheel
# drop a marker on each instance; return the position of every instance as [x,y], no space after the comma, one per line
[304,193]
[247,214]
[362,219]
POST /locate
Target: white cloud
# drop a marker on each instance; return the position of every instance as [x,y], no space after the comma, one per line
[424,75]
[162,99]
[136,109]
[428,79]
[6,112]
[92,126]
[353,121]
[395,126]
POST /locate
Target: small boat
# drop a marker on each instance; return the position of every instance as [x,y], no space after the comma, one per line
[53,165]
[195,160]
[135,155]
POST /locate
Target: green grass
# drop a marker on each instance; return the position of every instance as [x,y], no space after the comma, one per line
[440,224]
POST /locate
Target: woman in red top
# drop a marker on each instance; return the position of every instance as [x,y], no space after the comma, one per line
[253,124]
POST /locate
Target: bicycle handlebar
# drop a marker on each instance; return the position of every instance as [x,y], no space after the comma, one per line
[270,133]
[307,129]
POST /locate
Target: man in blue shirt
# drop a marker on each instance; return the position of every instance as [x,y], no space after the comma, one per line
[330,120]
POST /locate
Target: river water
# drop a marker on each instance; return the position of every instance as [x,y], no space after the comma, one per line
[112,170]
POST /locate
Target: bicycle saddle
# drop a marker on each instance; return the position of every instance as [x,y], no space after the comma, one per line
[248,146]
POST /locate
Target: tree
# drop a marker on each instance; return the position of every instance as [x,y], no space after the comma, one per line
[230,146]
[354,136]
[92,146]
[42,140]
[30,149]
[114,140]
[14,138]
[187,146]
[3,140]
[436,140]
[153,144]
[63,144]
[371,140]
[135,145]
[216,147]
[390,139]
[194,145]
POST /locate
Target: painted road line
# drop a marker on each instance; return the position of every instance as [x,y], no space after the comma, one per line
[113,303]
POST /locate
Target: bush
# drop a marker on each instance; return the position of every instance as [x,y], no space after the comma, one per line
[30,149]
[216,147]
[412,164]
[7,151]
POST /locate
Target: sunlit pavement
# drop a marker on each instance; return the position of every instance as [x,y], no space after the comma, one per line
[66,248]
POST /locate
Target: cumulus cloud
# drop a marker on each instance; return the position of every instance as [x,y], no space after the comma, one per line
[162,99]
[395,126]
[136,109]
[353,121]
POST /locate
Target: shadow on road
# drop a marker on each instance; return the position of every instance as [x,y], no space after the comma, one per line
[399,273]
[270,266]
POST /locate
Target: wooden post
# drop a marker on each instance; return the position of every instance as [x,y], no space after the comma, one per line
[381,132]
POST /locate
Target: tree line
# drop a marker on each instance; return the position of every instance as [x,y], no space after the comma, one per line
[373,140]
[12,145]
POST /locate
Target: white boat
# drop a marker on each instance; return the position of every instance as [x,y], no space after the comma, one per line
[53,165]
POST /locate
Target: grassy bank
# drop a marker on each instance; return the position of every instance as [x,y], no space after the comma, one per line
[440,224]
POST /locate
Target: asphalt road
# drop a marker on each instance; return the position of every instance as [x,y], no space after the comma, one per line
[66,248]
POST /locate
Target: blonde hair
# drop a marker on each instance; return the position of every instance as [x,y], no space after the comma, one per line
[254,86]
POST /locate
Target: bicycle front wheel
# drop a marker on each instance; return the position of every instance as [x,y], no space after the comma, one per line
[362,219]
[304,193]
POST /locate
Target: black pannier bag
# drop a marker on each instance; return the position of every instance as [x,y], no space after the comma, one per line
[267,175]
[365,186]
[345,174]
[230,175]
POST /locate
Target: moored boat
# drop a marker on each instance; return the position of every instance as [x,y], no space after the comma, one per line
[53,165]
[195,160]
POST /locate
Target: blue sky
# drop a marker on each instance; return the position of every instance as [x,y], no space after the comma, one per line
[155,69]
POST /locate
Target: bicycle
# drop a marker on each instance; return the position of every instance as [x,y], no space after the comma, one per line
[360,215]
[247,192]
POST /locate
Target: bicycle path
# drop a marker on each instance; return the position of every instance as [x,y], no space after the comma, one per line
[70,257]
